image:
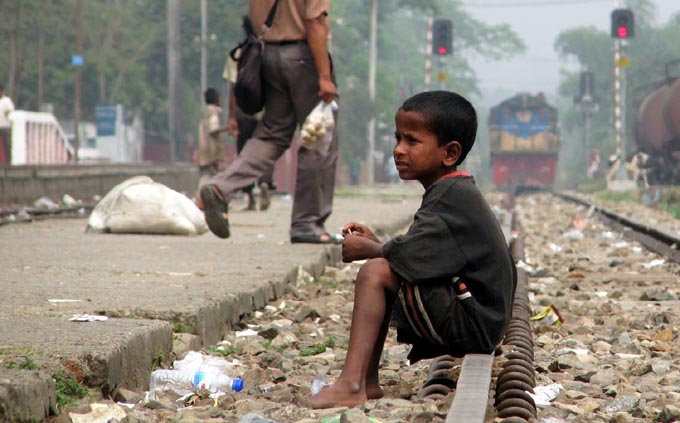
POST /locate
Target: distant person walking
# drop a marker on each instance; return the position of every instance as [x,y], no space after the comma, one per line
[297,74]
[242,126]
[210,147]
[6,106]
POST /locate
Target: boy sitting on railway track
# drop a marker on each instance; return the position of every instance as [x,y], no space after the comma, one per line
[448,283]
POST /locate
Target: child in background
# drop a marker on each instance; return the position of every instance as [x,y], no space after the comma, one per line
[210,147]
[448,283]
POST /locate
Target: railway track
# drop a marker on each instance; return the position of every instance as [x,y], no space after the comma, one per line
[530,360]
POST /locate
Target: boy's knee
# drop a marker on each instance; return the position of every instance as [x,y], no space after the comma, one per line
[378,270]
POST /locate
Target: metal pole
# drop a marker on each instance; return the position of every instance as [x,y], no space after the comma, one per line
[79,52]
[373,59]
[619,111]
[173,66]
[428,52]
[204,46]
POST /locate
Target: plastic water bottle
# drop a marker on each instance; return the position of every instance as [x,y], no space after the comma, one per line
[184,382]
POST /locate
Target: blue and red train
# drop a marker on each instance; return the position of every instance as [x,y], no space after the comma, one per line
[523,141]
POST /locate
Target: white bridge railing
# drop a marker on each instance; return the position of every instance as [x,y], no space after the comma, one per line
[37,138]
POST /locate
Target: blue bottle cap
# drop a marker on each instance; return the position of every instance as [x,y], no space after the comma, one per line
[237,385]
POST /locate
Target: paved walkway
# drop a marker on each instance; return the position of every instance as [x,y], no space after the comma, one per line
[147,285]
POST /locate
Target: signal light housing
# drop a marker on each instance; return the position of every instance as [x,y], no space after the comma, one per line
[442,37]
[623,23]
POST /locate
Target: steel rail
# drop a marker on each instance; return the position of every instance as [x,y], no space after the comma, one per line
[656,239]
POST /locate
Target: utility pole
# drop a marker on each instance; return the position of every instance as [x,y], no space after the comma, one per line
[204,46]
[373,58]
[78,65]
[173,72]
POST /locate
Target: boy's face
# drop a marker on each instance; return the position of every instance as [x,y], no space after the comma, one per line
[417,153]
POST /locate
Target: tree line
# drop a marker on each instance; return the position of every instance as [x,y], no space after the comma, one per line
[125,52]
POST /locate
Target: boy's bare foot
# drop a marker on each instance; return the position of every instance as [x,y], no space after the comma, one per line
[339,394]
[373,391]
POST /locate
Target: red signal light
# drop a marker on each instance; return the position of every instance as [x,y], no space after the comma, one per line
[442,50]
[622,32]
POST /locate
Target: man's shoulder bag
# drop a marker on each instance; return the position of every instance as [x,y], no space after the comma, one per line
[248,88]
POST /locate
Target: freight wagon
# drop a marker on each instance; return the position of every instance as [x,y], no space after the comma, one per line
[657,130]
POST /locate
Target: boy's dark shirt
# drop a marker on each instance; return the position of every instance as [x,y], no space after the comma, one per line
[455,233]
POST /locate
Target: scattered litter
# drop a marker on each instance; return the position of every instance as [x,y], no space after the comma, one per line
[88,318]
[281,323]
[620,244]
[654,263]
[573,234]
[602,294]
[580,222]
[68,200]
[554,247]
[575,351]
[607,235]
[59,300]
[44,203]
[101,413]
[549,316]
[544,394]
[244,333]
[524,266]
[197,372]
[317,384]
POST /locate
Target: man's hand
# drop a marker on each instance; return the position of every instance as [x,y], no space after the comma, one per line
[327,89]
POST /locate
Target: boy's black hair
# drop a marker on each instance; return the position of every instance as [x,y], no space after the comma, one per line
[447,115]
[211,95]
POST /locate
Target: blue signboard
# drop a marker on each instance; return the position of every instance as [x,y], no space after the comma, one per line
[77,60]
[106,115]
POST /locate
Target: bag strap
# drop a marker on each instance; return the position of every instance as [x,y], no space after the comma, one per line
[270,17]
[268,23]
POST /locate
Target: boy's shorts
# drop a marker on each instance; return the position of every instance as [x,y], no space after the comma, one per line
[435,319]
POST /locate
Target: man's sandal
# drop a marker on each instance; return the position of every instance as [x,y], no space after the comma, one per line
[215,210]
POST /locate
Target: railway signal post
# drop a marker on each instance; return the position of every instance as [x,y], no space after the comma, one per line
[622,28]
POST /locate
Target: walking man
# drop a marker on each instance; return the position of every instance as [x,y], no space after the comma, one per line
[297,74]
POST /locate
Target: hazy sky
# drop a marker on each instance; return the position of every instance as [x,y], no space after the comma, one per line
[539,22]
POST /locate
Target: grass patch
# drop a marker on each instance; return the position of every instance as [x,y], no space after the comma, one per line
[268,345]
[225,352]
[27,364]
[180,327]
[68,389]
[317,349]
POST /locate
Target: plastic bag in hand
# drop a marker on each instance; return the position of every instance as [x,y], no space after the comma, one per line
[317,130]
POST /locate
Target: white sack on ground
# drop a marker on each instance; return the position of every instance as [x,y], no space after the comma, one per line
[141,206]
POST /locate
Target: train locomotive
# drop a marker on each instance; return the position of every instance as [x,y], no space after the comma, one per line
[524,142]
[657,131]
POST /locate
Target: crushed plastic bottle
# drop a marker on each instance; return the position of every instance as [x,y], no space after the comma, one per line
[184,382]
[317,384]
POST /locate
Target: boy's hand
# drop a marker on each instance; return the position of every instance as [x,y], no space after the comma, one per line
[354,228]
